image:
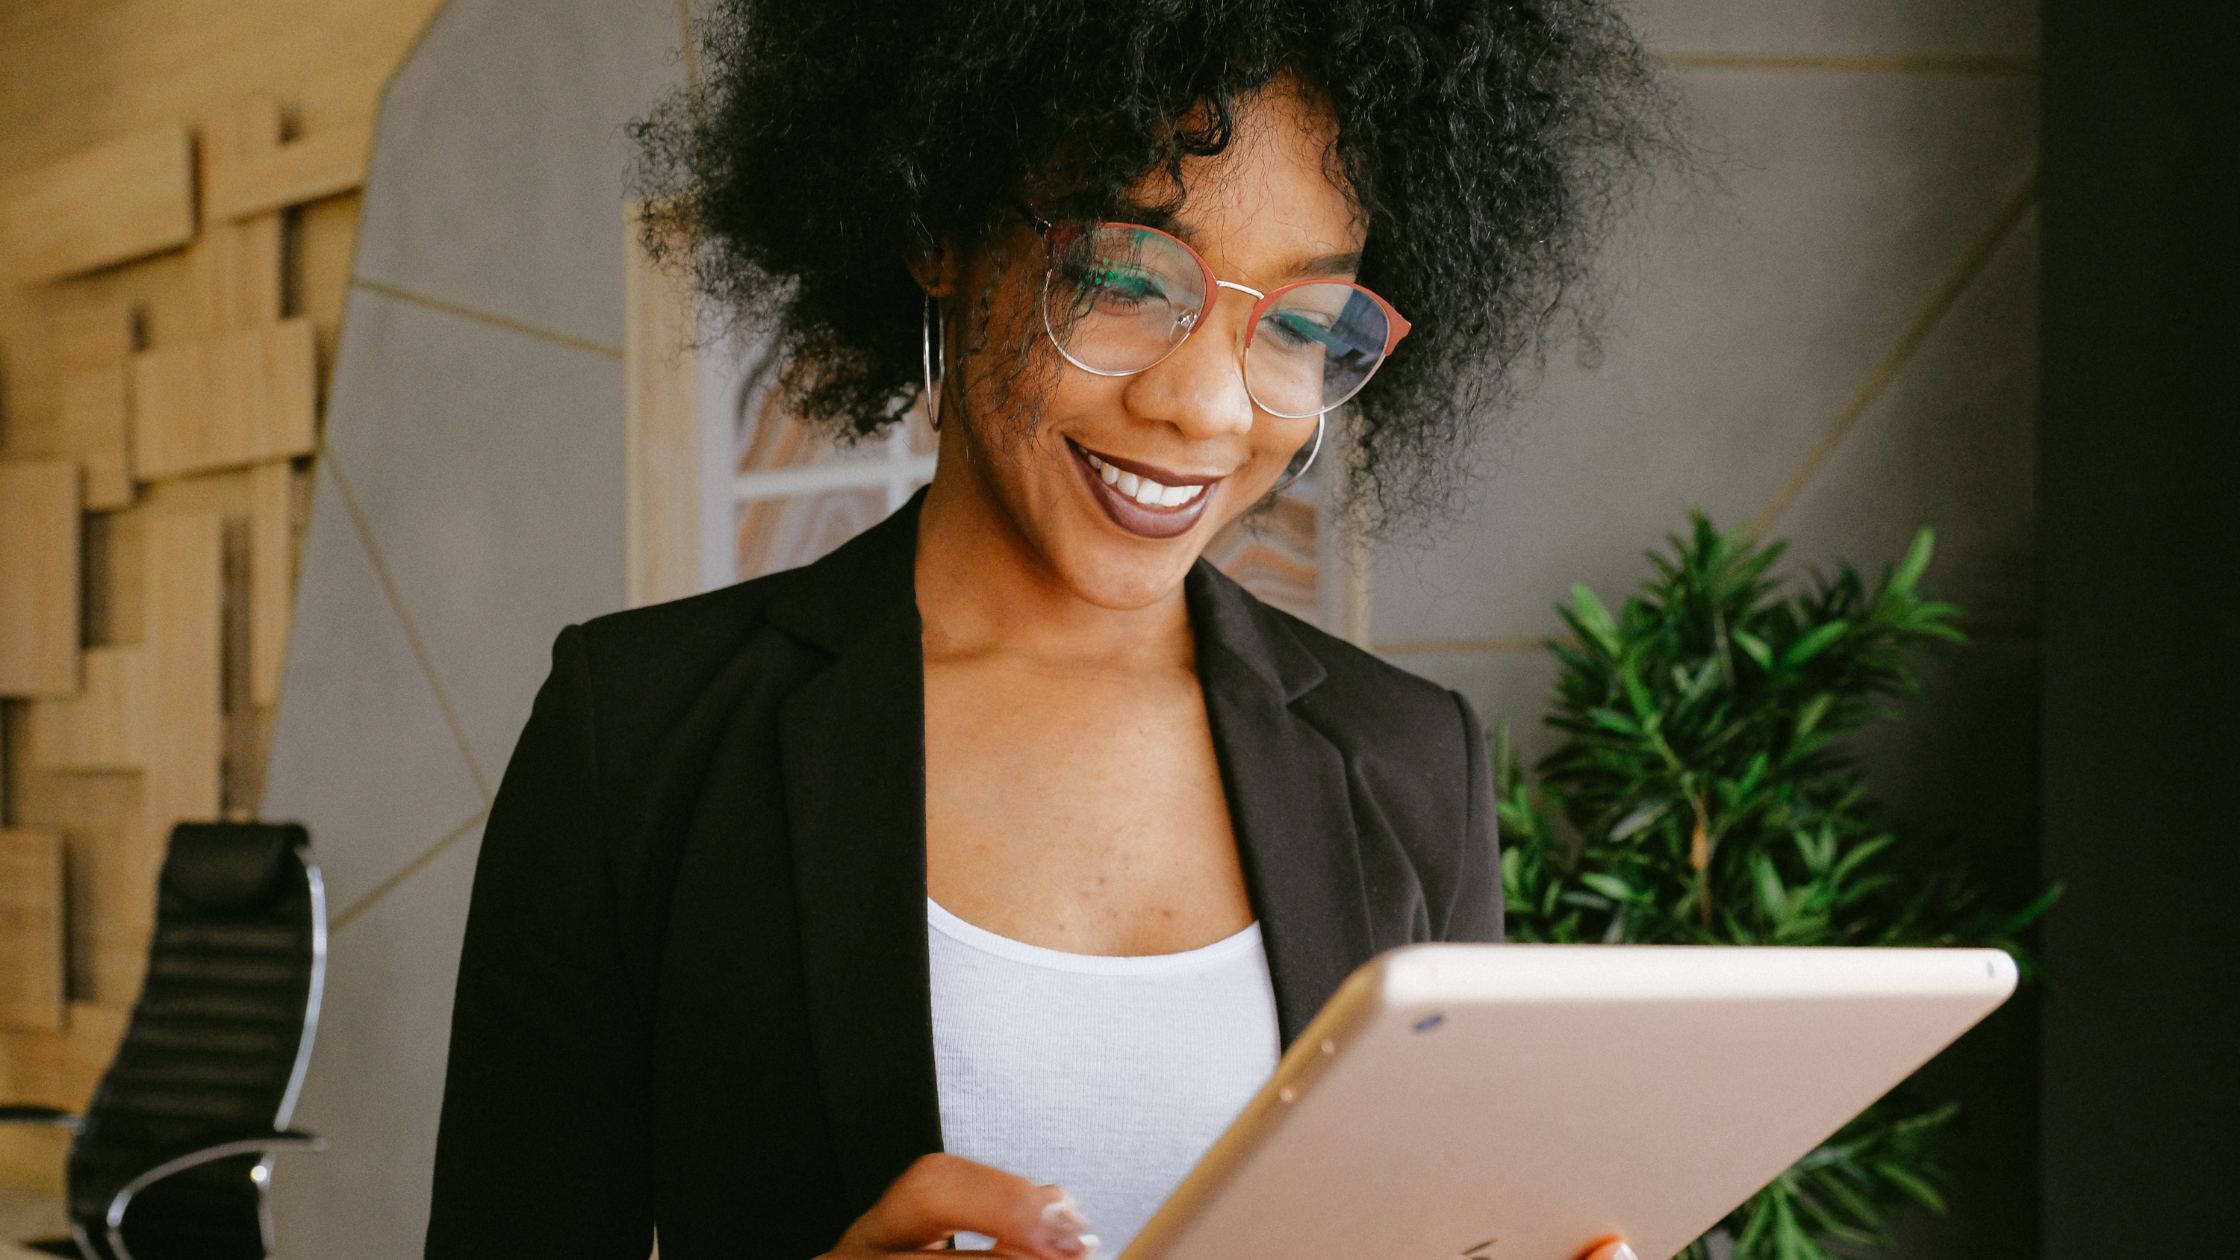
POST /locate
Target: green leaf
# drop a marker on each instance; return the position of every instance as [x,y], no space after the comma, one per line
[1771,893]
[1594,619]
[1609,886]
[1809,716]
[1914,1187]
[1813,643]
[1753,647]
[1611,719]
[1915,564]
[1642,816]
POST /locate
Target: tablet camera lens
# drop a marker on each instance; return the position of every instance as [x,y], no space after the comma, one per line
[1429,1022]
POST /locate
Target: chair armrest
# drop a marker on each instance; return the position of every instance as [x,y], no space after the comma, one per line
[267,1142]
[51,1117]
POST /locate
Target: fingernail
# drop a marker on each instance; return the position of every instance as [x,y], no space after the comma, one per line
[1623,1253]
[1069,1234]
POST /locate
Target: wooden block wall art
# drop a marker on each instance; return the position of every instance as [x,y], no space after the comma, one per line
[91,343]
[235,269]
[234,275]
[184,744]
[39,576]
[258,171]
[55,1069]
[31,1157]
[96,424]
[89,1046]
[31,926]
[105,726]
[220,402]
[124,200]
[91,333]
[271,577]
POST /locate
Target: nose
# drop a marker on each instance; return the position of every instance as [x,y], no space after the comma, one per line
[1199,389]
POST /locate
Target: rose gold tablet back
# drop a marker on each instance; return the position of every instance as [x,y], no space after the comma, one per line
[1522,1102]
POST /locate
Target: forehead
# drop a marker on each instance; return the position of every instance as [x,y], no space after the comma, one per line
[1276,189]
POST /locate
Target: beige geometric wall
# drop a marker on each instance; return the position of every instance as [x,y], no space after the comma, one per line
[177,212]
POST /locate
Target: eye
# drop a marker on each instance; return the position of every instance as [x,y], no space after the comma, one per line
[1118,283]
[1297,329]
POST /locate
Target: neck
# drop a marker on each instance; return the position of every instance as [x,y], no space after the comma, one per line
[985,589]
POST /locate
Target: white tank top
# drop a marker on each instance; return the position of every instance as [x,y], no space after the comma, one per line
[1108,1076]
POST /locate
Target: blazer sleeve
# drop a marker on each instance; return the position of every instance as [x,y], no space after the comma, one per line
[544,1144]
[1474,912]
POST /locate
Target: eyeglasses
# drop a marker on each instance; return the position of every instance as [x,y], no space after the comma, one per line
[1119,298]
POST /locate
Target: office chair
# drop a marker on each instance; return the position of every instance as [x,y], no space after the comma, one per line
[172,1158]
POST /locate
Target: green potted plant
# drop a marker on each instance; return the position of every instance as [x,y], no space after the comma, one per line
[1701,795]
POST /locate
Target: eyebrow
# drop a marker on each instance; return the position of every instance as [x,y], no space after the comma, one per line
[1346,263]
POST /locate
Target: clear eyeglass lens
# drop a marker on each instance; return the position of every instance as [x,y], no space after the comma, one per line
[1314,348]
[1121,297]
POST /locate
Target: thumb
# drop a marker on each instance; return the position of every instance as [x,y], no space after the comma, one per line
[942,1195]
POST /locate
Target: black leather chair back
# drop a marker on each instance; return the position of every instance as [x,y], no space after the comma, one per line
[216,1049]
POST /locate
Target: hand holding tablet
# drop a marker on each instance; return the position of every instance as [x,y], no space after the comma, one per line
[1513,1102]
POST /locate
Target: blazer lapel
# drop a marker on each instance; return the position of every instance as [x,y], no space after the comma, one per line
[852,754]
[1287,797]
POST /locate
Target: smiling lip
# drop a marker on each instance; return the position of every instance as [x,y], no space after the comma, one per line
[1145,500]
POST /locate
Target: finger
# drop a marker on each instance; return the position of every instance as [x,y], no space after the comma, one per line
[941,1195]
[1610,1249]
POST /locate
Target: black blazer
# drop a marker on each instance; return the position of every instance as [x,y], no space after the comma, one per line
[694,987]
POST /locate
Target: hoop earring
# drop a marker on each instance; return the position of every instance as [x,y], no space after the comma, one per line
[1300,466]
[929,321]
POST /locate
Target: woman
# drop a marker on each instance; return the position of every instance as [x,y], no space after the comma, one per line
[857,909]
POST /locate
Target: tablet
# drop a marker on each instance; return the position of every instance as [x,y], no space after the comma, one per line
[1526,1102]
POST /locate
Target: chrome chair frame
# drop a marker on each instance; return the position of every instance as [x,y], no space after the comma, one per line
[282,1138]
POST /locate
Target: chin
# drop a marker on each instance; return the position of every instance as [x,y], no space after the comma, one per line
[1123,573]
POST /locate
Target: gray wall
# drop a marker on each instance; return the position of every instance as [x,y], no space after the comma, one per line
[471,503]
[1870,166]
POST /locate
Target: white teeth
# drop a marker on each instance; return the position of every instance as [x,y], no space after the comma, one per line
[1143,490]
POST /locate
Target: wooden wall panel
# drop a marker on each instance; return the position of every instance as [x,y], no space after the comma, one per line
[39,573]
[31,925]
[224,401]
[329,239]
[96,423]
[188,570]
[259,157]
[272,566]
[105,726]
[233,275]
[123,200]
[235,269]
[185,723]
[54,1069]
[291,174]
[90,342]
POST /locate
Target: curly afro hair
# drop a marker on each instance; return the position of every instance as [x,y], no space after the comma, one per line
[1484,141]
